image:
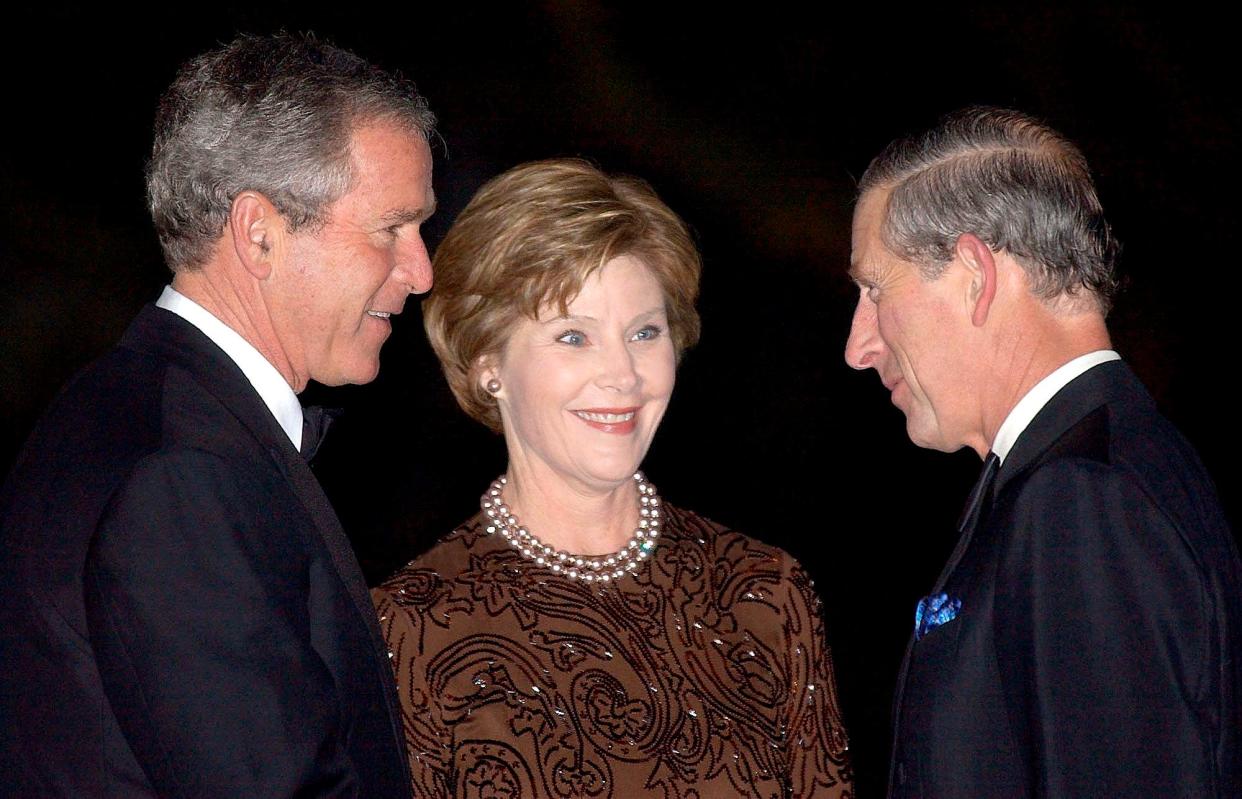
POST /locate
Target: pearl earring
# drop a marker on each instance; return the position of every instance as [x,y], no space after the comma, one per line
[492,386]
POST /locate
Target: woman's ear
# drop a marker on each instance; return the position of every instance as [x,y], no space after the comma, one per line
[486,373]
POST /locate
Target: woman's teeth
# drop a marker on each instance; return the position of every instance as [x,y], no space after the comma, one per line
[605,418]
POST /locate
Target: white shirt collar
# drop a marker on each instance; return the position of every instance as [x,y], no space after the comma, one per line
[1040,394]
[275,392]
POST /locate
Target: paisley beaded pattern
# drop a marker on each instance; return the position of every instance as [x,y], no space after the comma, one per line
[704,673]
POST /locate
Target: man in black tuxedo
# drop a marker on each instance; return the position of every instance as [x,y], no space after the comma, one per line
[180,611]
[1084,638]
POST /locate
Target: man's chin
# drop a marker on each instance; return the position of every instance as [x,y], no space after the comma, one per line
[362,378]
[921,436]
[355,374]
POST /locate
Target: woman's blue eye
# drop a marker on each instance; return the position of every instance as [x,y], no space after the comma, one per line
[572,337]
[648,333]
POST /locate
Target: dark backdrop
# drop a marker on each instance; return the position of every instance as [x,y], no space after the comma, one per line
[753,125]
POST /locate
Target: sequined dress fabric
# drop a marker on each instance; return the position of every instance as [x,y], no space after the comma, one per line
[704,674]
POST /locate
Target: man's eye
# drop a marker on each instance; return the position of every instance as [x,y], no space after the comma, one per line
[574,338]
[648,333]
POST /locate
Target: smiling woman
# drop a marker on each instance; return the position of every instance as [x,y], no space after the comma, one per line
[605,366]
[607,644]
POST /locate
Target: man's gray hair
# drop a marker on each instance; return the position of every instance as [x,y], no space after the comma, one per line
[1012,181]
[271,114]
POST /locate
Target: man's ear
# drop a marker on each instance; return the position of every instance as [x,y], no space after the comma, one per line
[256,227]
[980,261]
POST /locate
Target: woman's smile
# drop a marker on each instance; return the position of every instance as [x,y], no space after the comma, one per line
[609,420]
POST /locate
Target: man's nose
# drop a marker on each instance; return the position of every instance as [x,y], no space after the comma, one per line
[413,267]
[864,341]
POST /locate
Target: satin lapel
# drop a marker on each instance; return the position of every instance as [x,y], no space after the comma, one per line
[973,515]
[1098,386]
[169,336]
[316,501]
[976,512]
[1077,399]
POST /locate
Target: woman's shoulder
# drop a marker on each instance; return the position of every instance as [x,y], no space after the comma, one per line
[438,565]
[730,569]
[722,544]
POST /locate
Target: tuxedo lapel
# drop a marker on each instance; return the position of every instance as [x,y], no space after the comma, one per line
[1074,402]
[316,501]
[973,514]
[1093,389]
[166,336]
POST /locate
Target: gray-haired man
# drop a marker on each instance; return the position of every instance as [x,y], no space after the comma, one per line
[1085,638]
[181,613]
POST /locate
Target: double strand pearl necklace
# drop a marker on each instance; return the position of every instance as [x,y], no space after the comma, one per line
[596,568]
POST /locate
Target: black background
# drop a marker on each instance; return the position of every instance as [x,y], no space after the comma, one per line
[753,124]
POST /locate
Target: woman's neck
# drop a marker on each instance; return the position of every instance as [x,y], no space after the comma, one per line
[578,519]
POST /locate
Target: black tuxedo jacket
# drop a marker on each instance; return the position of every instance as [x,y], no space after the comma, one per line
[1098,648]
[180,611]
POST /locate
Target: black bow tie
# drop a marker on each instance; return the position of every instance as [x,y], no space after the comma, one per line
[316,420]
[980,494]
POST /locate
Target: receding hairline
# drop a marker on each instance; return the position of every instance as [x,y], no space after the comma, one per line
[396,124]
[869,194]
[895,173]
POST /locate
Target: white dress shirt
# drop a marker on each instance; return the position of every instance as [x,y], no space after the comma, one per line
[1039,395]
[275,392]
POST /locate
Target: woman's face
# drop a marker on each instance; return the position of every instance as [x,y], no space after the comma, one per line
[582,394]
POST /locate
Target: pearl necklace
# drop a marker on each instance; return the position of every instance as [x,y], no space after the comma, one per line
[601,568]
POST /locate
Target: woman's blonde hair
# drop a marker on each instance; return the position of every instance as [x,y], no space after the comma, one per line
[526,242]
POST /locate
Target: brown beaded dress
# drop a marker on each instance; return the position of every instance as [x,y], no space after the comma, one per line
[704,674]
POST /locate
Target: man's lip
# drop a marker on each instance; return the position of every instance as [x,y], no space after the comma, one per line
[896,383]
[378,314]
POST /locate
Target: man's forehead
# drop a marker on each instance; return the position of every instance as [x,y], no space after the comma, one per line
[866,243]
[870,210]
[392,170]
